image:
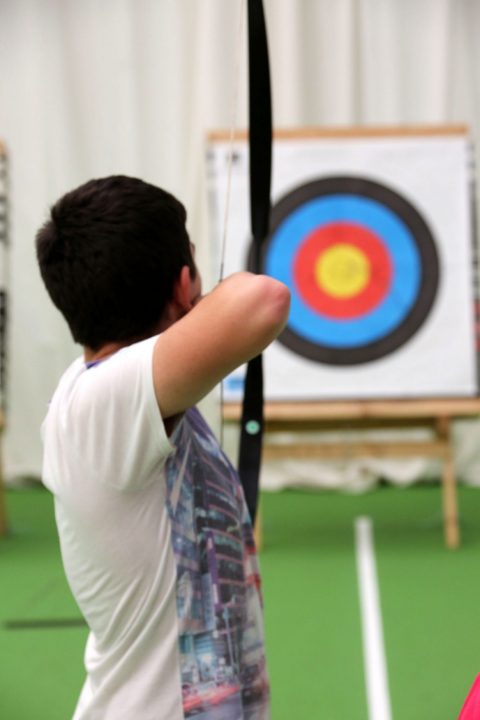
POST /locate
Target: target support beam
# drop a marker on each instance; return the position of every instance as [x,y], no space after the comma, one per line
[437,414]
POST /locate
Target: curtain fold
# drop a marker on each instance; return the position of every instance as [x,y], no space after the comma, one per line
[98,87]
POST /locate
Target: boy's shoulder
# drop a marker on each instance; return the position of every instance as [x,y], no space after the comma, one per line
[116,381]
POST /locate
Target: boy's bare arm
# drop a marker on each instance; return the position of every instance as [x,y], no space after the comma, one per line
[228,327]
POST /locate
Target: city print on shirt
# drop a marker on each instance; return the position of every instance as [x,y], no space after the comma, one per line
[219,605]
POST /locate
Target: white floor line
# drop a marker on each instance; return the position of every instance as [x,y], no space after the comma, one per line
[378,696]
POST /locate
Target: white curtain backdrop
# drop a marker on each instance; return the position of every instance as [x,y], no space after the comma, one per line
[94,87]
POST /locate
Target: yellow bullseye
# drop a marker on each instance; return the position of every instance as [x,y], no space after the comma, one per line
[342,270]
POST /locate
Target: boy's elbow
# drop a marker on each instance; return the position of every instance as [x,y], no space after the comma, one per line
[282,303]
[277,297]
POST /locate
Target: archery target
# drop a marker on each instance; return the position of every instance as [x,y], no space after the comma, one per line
[373,236]
[355,255]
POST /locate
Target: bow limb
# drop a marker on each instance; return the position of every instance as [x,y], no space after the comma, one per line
[260,151]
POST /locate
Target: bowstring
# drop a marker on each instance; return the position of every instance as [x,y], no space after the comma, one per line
[232,132]
[228,192]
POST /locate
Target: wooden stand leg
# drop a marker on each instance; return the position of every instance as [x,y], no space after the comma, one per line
[449,489]
[3,509]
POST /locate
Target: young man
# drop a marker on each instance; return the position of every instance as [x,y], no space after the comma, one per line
[155,537]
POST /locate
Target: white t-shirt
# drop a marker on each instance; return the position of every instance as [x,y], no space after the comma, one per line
[157,549]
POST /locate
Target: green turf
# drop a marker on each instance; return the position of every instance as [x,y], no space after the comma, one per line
[41,669]
[429,603]
[429,599]
[312,623]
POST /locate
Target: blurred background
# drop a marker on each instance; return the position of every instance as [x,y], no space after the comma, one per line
[100,87]
[115,86]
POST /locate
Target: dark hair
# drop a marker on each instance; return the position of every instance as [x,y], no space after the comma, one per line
[109,256]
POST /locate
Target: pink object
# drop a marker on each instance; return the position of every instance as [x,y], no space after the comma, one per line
[471,708]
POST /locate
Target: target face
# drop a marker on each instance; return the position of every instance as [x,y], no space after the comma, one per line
[361,265]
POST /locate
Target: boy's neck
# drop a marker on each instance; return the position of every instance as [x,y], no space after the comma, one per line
[106,350]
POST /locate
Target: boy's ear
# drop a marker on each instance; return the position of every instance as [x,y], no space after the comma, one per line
[182,290]
[180,302]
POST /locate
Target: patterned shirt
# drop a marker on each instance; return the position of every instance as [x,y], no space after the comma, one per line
[219,602]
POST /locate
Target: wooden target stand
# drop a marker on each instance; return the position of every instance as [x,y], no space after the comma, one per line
[435,414]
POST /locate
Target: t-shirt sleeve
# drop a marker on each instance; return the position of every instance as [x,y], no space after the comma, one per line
[115,419]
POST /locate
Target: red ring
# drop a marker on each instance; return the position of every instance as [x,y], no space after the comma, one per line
[322,239]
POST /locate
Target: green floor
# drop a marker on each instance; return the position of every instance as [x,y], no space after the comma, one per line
[429,598]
